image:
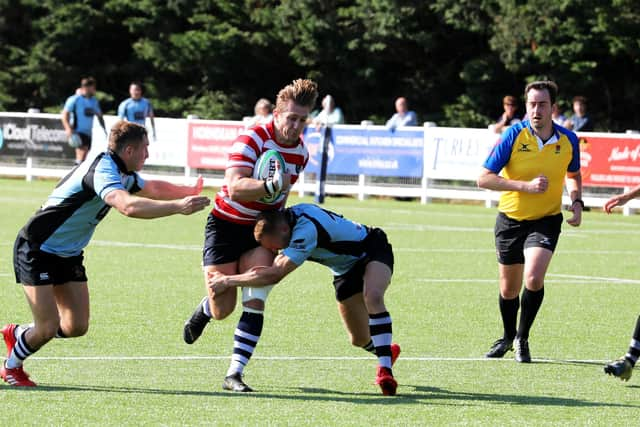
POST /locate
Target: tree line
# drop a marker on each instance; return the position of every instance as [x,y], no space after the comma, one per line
[453,59]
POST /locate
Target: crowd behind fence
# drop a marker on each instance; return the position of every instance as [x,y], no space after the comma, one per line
[423,163]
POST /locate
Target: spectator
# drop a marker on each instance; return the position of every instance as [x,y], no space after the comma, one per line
[403,116]
[262,110]
[77,117]
[329,115]
[136,109]
[580,121]
[508,118]
[557,117]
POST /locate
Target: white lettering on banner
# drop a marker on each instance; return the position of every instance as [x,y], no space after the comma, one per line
[457,153]
[378,141]
[11,132]
[619,179]
[624,154]
[215,132]
[209,148]
[378,164]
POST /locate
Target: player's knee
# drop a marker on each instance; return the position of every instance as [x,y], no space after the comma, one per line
[373,297]
[220,313]
[77,329]
[534,282]
[45,331]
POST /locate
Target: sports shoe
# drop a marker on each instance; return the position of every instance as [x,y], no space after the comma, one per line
[500,348]
[16,377]
[395,353]
[195,325]
[388,384]
[522,350]
[234,383]
[620,368]
[8,332]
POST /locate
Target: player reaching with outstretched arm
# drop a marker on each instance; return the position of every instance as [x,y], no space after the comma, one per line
[623,367]
[535,157]
[229,246]
[48,252]
[360,258]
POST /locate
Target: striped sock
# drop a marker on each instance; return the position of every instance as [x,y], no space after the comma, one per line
[245,340]
[20,351]
[370,347]
[380,329]
[634,346]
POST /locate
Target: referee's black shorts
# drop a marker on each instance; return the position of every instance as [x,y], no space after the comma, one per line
[513,236]
[377,248]
[225,241]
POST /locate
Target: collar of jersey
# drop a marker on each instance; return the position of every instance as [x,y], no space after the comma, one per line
[118,161]
[552,140]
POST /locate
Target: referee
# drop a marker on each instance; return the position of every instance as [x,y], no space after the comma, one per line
[528,165]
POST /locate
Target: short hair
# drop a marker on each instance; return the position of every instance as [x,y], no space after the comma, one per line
[547,85]
[579,98]
[263,103]
[302,92]
[267,222]
[88,81]
[125,133]
[137,83]
[510,100]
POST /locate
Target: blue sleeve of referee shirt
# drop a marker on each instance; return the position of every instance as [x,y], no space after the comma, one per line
[574,165]
[501,152]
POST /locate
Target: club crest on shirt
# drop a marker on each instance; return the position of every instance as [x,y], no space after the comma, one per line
[557,148]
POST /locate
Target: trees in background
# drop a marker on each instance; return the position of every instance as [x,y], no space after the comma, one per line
[453,59]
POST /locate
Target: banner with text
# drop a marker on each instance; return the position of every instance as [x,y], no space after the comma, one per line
[25,135]
[209,142]
[609,160]
[372,151]
[455,153]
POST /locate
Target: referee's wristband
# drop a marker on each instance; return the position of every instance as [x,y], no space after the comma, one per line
[578,201]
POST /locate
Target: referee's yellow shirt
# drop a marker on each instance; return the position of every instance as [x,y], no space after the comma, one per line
[521,155]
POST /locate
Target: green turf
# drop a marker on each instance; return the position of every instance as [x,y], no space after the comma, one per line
[443,300]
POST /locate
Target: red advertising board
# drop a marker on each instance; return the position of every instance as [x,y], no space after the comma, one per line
[209,142]
[610,160]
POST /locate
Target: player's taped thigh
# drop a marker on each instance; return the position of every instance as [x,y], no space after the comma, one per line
[261,294]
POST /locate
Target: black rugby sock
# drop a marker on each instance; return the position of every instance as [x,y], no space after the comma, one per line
[531,302]
[509,311]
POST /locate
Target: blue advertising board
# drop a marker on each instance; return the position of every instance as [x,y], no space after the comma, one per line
[372,151]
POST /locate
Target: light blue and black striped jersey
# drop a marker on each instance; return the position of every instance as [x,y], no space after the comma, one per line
[324,237]
[82,109]
[135,110]
[65,223]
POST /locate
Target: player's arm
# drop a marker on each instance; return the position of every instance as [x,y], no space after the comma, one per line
[492,181]
[142,207]
[101,121]
[256,277]
[65,116]
[242,187]
[163,190]
[153,123]
[621,199]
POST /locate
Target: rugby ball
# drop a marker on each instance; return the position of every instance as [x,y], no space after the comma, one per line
[75,141]
[268,164]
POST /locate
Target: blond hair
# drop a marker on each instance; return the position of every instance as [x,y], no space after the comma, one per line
[302,92]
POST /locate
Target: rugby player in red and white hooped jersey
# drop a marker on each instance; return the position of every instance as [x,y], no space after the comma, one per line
[229,245]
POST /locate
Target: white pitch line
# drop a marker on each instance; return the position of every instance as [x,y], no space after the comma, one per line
[299,358]
[570,278]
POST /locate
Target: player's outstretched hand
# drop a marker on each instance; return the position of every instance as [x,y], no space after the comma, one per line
[618,200]
[538,185]
[197,188]
[191,204]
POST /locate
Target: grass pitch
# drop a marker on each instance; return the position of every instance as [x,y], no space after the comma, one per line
[145,279]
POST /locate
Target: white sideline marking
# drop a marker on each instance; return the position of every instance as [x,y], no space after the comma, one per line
[570,278]
[303,358]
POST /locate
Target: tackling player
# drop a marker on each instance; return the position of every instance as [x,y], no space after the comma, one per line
[229,246]
[535,157]
[360,258]
[48,252]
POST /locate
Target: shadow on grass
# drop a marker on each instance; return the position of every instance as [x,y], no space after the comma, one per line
[407,394]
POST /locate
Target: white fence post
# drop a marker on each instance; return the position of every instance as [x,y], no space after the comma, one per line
[362,191]
[29,169]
